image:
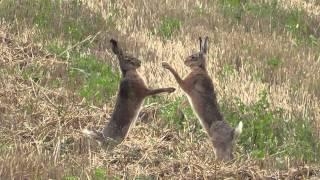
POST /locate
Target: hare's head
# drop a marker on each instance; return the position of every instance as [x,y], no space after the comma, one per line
[126,62]
[224,142]
[198,59]
[129,63]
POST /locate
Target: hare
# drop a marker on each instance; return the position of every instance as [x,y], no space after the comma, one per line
[199,89]
[132,92]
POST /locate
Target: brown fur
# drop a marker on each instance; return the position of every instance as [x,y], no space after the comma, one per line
[131,95]
[199,88]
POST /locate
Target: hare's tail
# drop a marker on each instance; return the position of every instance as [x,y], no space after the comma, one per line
[238,129]
[115,48]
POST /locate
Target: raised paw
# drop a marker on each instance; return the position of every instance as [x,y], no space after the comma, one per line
[171,90]
[166,65]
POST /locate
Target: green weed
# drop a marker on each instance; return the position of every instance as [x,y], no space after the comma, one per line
[231,3]
[144,177]
[232,8]
[71,20]
[100,81]
[295,22]
[70,178]
[99,174]
[35,72]
[270,14]
[274,62]
[4,147]
[93,79]
[227,71]
[170,112]
[178,114]
[169,26]
[200,10]
[266,134]
[258,76]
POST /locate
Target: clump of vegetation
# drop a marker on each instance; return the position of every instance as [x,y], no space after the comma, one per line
[168,27]
[274,62]
[171,112]
[232,8]
[94,80]
[293,21]
[200,10]
[100,81]
[35,72]
[178,114]
[70,178]
[267,134]
[227,71]
[71,20]
[40,119]
[99,174]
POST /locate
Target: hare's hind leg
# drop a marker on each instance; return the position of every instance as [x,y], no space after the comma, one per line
[113,131]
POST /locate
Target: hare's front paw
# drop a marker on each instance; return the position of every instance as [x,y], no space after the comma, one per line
[166,65]
[171,90]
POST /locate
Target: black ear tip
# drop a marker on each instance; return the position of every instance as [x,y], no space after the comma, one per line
[113,41]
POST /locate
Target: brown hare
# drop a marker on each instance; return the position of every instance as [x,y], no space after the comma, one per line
[199,89]
[131,95]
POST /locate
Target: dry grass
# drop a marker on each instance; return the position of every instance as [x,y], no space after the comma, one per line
[40,123]
[232,45]
[312,7]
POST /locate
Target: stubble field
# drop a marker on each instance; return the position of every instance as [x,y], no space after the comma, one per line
[58,76]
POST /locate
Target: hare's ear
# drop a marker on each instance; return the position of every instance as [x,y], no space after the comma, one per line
[115,48]
[205,45]
[200,42]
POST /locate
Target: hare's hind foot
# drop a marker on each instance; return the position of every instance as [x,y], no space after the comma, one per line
[93,134]
[110,144]
[106,143]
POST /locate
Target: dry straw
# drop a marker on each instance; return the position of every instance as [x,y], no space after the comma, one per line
[40,125]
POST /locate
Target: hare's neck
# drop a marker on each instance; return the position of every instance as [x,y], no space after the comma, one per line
[199,69]
[129,73]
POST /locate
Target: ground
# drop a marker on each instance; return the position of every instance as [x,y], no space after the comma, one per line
[58,75]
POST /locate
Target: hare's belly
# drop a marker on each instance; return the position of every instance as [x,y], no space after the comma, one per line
[196,113]
[134,118]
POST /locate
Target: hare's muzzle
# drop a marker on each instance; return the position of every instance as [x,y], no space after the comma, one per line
[138,63]
[188,61]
